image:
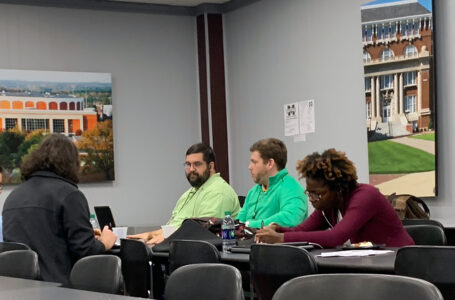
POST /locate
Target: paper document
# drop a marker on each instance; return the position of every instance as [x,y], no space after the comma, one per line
[306,116]
[349,253]
[291,119]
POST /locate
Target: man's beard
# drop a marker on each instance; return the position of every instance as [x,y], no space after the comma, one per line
[259,178]
[200,180]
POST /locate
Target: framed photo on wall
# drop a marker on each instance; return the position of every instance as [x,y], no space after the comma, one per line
[398,58]
[78,105]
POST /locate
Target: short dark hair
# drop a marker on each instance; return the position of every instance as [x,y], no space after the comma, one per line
[56,153]
[272,148]
[207,152]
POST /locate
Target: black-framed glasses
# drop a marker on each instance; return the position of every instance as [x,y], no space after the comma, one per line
[196,164]
[313,195]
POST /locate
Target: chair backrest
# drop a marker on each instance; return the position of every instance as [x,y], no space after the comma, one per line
[8,246]
[136,267]
[431,263]
[19,263]
[98,273]
[273,265]
[186,252]
[421,222]
[357,287]
[427,234]
[205,281]
[241,200]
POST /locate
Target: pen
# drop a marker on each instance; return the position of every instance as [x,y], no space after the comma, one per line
[262,224]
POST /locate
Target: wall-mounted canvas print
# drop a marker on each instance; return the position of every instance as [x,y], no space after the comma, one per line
[398,49]
[78,105]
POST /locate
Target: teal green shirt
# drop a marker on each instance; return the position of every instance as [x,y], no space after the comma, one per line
[212,199]
[284,203]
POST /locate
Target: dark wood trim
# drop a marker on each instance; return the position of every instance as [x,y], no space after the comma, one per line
[218,93]
[203,96]
[137,7]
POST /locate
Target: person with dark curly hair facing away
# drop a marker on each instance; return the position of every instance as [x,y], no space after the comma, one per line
[344,209]
[49,213]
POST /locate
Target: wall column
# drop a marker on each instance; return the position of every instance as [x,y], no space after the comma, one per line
[401,91]
[395,97]
[212,88]
[419,92]
[373,99]
[66,126]
[378,98]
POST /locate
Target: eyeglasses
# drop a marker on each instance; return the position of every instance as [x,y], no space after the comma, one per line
[313,195]
[196,164]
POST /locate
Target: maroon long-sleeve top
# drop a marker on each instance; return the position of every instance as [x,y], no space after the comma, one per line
[367,216]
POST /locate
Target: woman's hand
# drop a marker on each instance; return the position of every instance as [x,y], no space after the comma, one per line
[269,235]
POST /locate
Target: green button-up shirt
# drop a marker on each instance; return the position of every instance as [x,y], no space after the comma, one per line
[212,199]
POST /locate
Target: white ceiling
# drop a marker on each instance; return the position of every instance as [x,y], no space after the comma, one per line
[176,2]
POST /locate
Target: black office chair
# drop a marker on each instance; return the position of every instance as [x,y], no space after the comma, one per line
[98,273]
[427,234]
[20,264]
[421,222]
[241,200]
[186,252]
[205,281]
[273,265]
[136,268]
[8,246]
[431,263]
[357,287]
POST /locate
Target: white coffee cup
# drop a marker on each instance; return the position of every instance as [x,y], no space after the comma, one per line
[120,232]
[168,230]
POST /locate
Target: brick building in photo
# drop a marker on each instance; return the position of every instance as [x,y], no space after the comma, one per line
[398,66]
[60,115]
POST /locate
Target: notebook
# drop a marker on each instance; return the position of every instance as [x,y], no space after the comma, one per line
[246,248]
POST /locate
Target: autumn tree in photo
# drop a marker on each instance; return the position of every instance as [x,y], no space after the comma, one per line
[97,149]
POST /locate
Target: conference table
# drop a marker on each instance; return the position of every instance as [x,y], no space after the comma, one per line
[24,289]
[381,263]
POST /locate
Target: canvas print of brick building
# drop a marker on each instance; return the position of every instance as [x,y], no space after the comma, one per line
[75,104]
[397,41]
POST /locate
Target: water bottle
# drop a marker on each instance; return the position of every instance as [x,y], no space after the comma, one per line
[228,232]
[94,222]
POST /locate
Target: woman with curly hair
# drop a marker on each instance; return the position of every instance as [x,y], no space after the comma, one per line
[50,214]
[344,209]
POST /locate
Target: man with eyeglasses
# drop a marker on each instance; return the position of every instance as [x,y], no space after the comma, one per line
[209,196]
[277,197]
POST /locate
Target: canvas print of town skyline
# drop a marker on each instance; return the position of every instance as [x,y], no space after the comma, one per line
[398,49]
[78,105]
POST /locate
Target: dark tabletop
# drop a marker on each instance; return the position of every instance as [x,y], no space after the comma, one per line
[16,288]
[383,263]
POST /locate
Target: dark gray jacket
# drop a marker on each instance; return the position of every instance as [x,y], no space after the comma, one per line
[51,215]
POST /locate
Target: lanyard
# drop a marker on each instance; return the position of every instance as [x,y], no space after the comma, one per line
[185,202]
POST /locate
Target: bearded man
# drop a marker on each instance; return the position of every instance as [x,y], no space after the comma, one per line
[209,195]
[277,197]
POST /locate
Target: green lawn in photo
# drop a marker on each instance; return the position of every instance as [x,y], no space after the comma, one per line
[426,136]
[386,157]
